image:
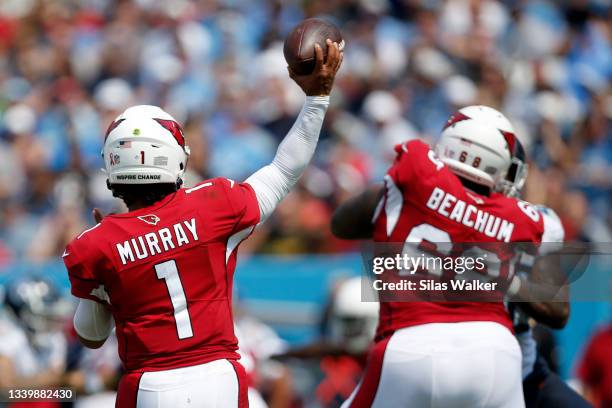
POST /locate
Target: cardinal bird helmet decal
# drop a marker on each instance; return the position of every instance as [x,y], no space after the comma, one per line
[174,128]
[112,127]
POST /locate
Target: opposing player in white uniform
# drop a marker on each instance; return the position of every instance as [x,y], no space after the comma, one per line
[258,342]
[541,387]
[32,344]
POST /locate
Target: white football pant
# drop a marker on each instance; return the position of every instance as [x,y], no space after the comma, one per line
[218,384]
[443,365]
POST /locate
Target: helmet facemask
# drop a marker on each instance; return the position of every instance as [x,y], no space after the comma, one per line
[515,178]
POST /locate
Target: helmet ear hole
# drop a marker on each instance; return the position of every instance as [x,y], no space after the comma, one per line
[181,166]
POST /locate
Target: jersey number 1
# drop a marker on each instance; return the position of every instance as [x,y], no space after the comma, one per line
[169,273]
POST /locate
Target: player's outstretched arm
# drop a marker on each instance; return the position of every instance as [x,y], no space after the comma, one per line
[353,218]
[274,181]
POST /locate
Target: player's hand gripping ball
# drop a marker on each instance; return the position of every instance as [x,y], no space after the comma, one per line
[313,51]
[299,46]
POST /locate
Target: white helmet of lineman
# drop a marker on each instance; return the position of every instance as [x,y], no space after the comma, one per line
[145,145]
[352,321]
[478,143]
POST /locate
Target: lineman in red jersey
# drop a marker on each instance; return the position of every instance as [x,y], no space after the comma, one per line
[446,354]
[162,273]
[429,200]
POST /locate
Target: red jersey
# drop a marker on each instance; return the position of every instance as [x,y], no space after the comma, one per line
[425,201]
[166,272]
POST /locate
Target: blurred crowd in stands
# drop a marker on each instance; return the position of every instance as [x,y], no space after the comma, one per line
[67,68]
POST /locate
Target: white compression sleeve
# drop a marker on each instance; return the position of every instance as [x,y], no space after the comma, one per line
[92,321]
[274,181]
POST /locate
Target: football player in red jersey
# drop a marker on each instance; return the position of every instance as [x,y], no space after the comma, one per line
[447,354]
[162,273]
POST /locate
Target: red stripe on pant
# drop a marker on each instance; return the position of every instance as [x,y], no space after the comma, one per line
[371,377]
[127,393]
[243,388]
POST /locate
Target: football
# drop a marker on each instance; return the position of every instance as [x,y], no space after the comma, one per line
[299,45]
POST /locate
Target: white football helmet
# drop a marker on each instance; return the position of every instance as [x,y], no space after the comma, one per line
[477,144]
[145,145]
[352,321]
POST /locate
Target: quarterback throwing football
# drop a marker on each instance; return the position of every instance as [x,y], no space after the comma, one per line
[162,273]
